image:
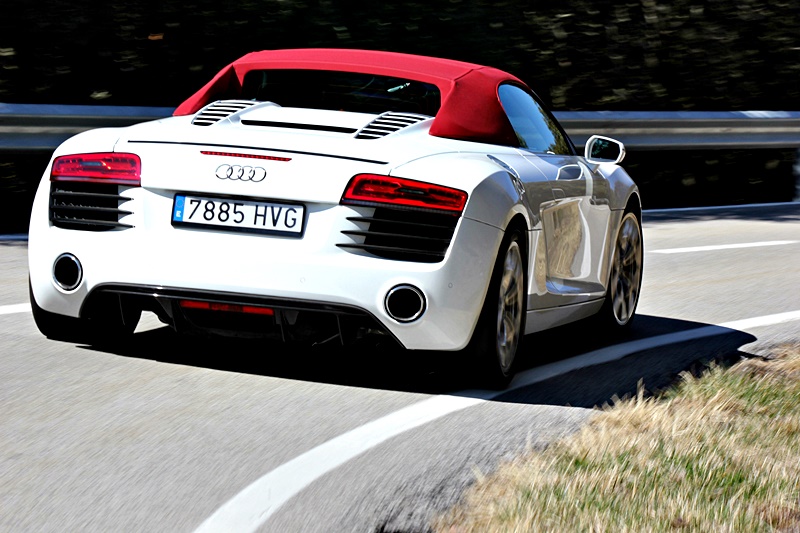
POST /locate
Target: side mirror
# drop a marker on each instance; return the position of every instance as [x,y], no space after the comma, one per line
[604,150]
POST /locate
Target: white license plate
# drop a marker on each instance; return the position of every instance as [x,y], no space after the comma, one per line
[239,215]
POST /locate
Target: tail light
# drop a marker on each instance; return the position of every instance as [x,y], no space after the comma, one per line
[104,167]
[374,190]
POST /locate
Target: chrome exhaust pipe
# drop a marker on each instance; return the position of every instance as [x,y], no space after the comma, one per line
[67,272]
[405,303]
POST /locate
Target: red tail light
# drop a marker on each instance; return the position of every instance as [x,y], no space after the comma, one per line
[372,189]
[105,167]
[231,308]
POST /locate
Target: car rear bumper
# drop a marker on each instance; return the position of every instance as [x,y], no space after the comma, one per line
[288,272]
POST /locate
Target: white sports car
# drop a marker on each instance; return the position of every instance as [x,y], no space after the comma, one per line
[324,195]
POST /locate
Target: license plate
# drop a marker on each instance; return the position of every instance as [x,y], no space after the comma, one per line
[239,215]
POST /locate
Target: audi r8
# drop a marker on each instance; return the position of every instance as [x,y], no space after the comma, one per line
[332,195]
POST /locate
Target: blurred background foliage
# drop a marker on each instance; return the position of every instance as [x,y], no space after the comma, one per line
[577,54]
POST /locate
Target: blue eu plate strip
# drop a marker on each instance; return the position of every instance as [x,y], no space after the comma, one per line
[178,213]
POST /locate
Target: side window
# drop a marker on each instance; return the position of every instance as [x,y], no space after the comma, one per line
[535,128]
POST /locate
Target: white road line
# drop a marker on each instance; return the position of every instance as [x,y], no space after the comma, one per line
[758,321]
[249,509]
[721,247]
[716,208]
[15,308]
[252,507]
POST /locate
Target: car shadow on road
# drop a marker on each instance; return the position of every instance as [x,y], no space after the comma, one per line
[571,365]
[652,358]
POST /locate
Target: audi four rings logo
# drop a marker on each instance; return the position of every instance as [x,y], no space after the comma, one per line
[241,173]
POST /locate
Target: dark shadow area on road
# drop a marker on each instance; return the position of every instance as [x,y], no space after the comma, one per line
[653,369]
[387,367]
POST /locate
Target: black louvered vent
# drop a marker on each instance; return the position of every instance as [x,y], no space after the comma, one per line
[403,235]
[86,206]
[389,123]
[216,111]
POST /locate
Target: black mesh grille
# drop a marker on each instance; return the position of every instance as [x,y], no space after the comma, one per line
[86,206]
[403,235]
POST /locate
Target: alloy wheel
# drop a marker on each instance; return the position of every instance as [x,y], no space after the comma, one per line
[626,273]
[510,308]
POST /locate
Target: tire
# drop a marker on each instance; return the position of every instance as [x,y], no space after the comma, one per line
[625,276]
[501,325]
[112,324]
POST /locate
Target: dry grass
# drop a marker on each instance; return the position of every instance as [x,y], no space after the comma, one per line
[717,453]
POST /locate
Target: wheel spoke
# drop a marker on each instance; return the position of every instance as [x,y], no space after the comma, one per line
[629,258]
[620,307]
[510,299]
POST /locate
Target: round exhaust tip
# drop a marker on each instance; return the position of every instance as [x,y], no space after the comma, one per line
[67,272]
[405,303]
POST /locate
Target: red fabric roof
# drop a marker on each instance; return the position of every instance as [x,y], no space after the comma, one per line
[470,109]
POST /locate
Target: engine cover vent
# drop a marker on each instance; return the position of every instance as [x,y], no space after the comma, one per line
[388,123]
[216,111]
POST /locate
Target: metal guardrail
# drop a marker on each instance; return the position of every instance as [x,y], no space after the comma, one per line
[687,130]
[39,128]
[31,127]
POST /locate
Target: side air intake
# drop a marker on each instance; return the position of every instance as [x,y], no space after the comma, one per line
[216,111]
[87,206]
[402,235]
[388,123]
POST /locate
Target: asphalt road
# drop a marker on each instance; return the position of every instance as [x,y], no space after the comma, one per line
[174,434]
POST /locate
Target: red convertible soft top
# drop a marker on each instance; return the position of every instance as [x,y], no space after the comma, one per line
[470,109]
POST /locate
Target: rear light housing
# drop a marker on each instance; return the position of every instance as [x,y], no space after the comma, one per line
[101,167]
[377,190]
